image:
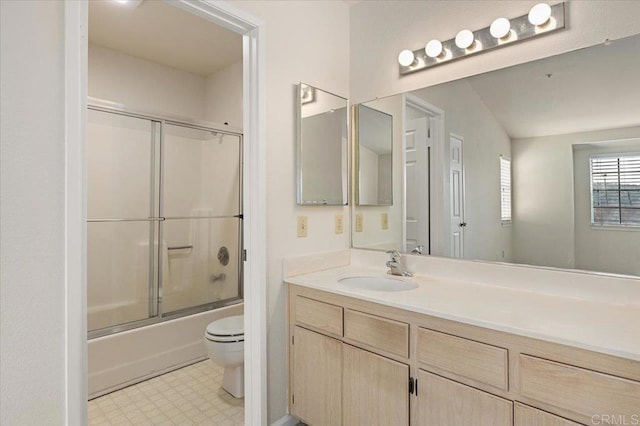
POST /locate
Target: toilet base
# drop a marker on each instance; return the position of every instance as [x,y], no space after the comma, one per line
[233,381]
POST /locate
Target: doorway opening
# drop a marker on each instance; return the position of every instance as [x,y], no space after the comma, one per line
[76,92]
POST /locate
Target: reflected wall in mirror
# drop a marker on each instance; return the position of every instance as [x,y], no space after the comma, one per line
[322,147]
[534,164]
[373,143]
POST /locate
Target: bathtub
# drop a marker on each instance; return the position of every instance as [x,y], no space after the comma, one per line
[129,357]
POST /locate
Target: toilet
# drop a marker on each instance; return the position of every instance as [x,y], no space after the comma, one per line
[224,340]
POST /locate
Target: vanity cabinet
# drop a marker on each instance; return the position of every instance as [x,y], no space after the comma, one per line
[358,362]
[316,378]
[374,389]
[333,382]
[445,402]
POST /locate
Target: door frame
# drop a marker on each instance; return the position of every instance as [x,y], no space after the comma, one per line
[254,159]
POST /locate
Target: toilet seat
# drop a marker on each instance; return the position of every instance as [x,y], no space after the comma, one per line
[226,330]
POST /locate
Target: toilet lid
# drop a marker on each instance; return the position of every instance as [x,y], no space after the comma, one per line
[229,326]
[225,339]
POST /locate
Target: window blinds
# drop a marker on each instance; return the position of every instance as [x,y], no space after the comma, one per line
[615,190]
[505,190]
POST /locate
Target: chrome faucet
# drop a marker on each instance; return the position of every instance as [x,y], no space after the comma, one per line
[395,265]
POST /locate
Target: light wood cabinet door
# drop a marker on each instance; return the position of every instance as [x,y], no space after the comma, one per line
[316,395]
[529,416]
[375,389]
[445,402]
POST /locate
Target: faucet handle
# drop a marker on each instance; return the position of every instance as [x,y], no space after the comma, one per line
[395,256]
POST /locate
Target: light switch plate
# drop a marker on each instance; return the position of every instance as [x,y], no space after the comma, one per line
[384,221]
[302,226]
[339,224]
[358,222]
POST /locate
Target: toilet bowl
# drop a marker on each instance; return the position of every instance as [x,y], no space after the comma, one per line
[224,340]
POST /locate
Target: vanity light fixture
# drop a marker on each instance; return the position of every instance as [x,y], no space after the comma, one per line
[541,19]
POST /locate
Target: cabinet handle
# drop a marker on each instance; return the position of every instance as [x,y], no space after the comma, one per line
[411,385]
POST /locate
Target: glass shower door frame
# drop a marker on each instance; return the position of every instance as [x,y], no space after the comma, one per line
[156,221]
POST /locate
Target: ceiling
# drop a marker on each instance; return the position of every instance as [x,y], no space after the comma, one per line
[590,89]
[164,34]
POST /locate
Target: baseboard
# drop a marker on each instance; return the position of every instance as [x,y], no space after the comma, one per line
[287,420]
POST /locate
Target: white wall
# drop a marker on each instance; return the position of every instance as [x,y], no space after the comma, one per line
[32,214]
[542,196]
[466,116]
[145,86]
[223,103]
[544,231]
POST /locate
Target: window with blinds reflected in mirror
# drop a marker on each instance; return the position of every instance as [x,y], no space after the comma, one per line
[615,190]
[505,190]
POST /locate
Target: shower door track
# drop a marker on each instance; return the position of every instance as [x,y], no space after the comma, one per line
[156,314]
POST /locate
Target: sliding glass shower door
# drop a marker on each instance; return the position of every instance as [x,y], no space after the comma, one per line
[202,206]
[164,219]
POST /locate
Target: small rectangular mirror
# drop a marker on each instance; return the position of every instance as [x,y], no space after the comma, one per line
[373,142]
[322,147]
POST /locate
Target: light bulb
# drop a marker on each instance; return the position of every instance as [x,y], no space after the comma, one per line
[406,58]
[433,49]
[500,28]
[464,39]
[540,14]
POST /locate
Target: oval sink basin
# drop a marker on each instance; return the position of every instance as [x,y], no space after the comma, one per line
[377,284]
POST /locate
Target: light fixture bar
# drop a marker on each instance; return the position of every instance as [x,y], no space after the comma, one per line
[521,29]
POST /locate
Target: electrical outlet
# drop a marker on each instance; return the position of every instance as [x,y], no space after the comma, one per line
[302,226]
[384,221]
[339,224]
[358,222]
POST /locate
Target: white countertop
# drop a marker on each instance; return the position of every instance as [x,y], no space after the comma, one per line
[607,327]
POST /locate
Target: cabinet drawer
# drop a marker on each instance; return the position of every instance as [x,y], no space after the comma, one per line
[529,416]
[380,333]
[321,316]
[477,361]
[583,392]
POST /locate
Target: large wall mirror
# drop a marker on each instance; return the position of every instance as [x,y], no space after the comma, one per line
[535,164]
[321,147]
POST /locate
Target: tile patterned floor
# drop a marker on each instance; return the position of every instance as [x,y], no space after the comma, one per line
[189,396]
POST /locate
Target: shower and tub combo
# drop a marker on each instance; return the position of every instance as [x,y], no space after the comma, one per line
[164,246]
